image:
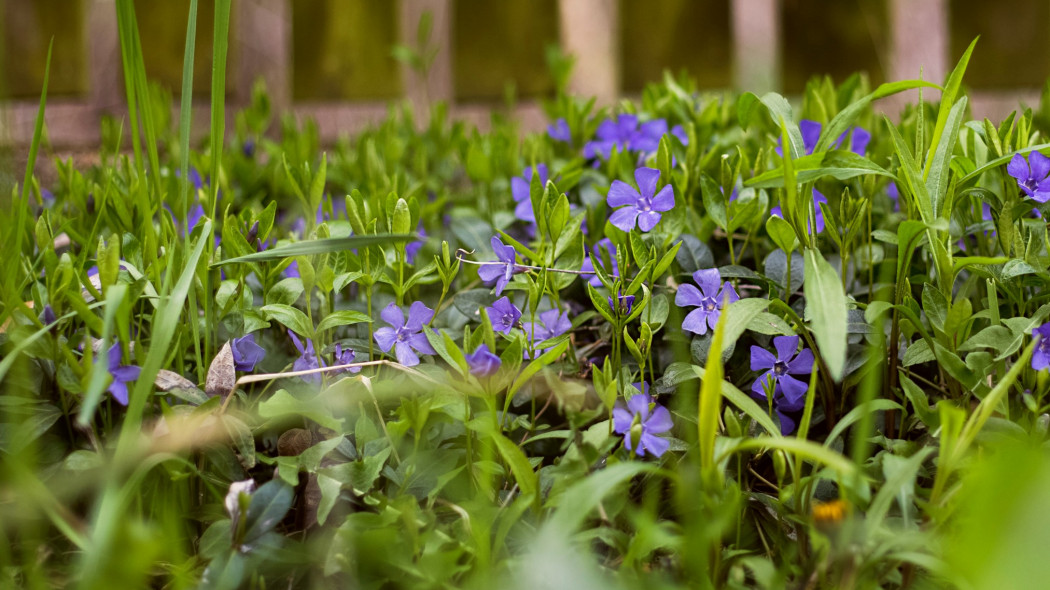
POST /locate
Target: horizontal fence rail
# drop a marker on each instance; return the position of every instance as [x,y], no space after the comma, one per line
[916,41]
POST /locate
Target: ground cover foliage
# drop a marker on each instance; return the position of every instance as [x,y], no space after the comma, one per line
[687,340]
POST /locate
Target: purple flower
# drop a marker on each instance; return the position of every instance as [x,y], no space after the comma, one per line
[781,367]
[640,422]
[292,270]
[122,374]
[819,215]
[596,252]
[1032,175]
[709,300]
[483,363]
[345,356]
[811,135]
[1041,356]
[246,353]
[307,359]
[504,315]
[559,131]
[625,134]
[519,189]
[623,304]
[551,325]
[405,336]
[858,141]
[894,194]
[502,269]
[412,248]
[643,205]
[48,315]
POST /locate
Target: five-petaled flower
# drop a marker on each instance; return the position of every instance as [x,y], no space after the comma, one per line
[779,370]
[640,421]
[1032,175]
[1041,356]
[483,363]
[519,189]
[122,374]
[643,205]
[307,358]
[503,268]
[818,219]
[504,315]
[344,356]
[246,353]
[551,325]
[596,252]
[406,338]
[709,300]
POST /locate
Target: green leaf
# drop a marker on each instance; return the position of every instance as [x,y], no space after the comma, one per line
[289,317]
[581,498]
[838,164]
[268,506]
[527,479]
[828,305]
[344,317]
[283,403]
[744,402]
[321,246]
[938,166]
[951,89]
[802,448]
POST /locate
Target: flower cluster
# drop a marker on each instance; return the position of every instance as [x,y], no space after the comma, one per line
[626,134]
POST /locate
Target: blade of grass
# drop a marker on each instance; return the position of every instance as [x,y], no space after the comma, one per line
[321,246]
[34,148]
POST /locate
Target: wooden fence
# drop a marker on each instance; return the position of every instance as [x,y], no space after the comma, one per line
[331,59]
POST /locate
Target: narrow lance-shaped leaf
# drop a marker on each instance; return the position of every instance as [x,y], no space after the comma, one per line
[826,300]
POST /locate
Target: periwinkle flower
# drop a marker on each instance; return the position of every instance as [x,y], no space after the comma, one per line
[626,134]
[483,363]
[894,194]
[1032,175]
[643,205]
[596,252]
[405,337]
[640,421]
[1041,356]
[520,189]
[412,248]
[709,300]
[345,356]
[307,359]
[48,315]
[559,131]
[246,353]
[504,315]
[503,268]
[121,374]
[780,368]
[551,325]
[818,219]
[810,130]
[859,139]
[623,304]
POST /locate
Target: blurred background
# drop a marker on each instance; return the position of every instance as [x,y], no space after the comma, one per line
[335,60]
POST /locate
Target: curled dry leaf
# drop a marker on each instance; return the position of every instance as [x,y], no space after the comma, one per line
[222,376]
